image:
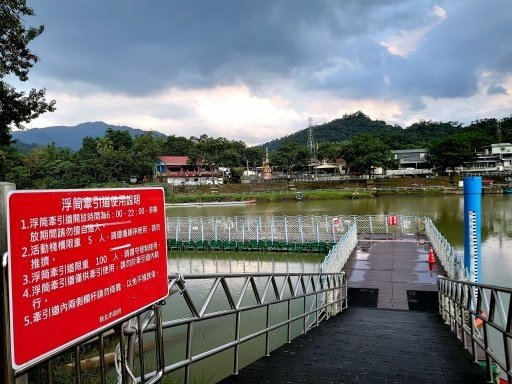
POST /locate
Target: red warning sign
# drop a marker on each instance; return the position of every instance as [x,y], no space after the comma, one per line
[79,261]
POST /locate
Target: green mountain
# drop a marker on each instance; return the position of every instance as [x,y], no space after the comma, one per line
[419,135]
[338,130]
[69,136]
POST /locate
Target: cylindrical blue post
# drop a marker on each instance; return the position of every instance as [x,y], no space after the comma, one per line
[472,226]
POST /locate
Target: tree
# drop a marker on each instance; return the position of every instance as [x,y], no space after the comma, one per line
[17,108]
[328,151]
[229,158]
[121,140]
[176,146]
[252,155]
[9,159]
[291,155]
[365,152]
[86,161]
[451,152]
[146,148]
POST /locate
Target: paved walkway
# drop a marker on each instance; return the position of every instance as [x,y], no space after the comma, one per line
[393,268]
[365,345]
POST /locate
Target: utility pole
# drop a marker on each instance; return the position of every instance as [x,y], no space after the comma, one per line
[311,140]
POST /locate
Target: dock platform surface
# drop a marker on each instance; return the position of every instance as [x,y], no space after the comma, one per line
[393,274]
[368,345]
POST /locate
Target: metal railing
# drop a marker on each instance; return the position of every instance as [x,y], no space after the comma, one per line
[480,315]
[137,347]
[375,227]
[339,254]
[409,228]
[450,260]
[293,229]
[303,229]
[297,229]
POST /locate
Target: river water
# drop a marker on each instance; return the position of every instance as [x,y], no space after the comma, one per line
[446,212]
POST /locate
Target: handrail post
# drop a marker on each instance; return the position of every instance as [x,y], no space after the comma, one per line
[286,229]
[6,373]
[267,336]
[236,353]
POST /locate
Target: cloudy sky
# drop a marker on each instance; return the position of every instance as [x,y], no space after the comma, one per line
[254,70]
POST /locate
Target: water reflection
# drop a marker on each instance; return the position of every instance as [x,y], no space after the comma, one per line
[243,262]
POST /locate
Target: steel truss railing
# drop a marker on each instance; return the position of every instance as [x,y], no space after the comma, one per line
[480,315]
[378,227]
[309,297]
[291,228]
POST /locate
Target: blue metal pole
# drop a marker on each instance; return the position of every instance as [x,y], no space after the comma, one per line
[472,226]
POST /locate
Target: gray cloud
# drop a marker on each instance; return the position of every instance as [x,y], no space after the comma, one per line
[496,90]
[134,47]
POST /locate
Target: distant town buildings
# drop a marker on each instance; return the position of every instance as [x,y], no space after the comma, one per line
[179,171]
[496,158]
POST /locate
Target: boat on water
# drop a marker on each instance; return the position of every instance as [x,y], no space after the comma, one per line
[507,191]
[211,203]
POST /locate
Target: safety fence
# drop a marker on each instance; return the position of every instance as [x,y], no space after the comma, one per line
[290,229]
[409,228]
[295,229]
[306,234]
[387,227]
[339,254]
[450,260]
[204,316]
[480,316]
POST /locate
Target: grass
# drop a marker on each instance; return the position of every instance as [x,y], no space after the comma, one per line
[429,192]
[269,196]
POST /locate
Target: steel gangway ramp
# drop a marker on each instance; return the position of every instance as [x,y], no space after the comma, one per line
[366,345]
[391,331]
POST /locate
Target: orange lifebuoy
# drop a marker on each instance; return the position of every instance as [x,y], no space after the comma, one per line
[392,220]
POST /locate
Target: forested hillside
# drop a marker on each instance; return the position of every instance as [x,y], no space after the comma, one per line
[422,134]
[338,130]
[363,143]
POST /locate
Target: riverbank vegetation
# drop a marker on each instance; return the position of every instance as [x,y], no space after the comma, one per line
[269,196]
[118,157]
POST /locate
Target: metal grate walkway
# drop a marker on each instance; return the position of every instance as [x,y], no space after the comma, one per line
[364,345]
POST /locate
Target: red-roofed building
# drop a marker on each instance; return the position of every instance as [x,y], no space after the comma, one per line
[176,170]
